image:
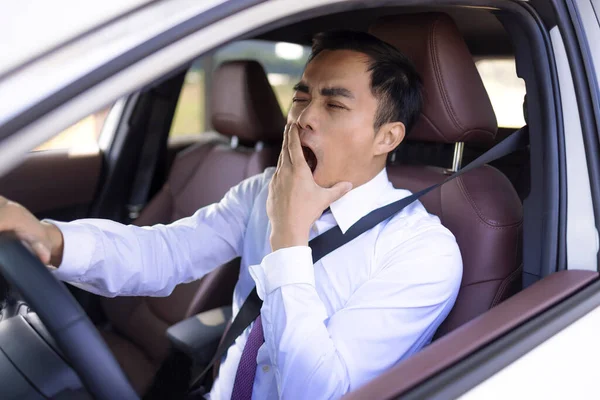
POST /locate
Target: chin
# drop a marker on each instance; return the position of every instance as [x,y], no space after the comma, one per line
[322,180]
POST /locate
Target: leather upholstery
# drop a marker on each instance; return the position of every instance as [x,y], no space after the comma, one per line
[200,175]
[140,369]
[456,107]
[481,208]
[484,213]
[242,107]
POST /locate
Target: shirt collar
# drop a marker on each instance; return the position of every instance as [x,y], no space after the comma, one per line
[359,201]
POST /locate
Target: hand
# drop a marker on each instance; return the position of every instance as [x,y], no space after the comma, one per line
[295,200]
[45,239]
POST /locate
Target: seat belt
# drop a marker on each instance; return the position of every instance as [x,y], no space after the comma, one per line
[332,239]
[148,159]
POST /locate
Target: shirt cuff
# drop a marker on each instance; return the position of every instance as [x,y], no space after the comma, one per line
[78,249]
[288,266]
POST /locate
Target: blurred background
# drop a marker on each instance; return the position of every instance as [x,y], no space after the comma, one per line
[284,63]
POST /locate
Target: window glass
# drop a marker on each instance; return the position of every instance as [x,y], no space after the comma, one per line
[505,88]
[283,63]
[189,113]
[81,136]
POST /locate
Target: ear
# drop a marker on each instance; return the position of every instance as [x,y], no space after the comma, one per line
[388,137]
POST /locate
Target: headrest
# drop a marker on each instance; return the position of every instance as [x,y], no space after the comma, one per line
[243,103]
[456,105]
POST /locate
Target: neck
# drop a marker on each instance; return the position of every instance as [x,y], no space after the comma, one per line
[364,178]
[370,172]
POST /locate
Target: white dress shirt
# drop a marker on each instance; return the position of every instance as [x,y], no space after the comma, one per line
[329,327]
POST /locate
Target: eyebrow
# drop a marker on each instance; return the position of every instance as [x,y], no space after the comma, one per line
[329,92]
[301,87]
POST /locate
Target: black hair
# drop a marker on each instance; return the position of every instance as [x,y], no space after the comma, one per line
[395,82]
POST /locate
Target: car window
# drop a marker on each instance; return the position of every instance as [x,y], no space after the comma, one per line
[283,62]
[189,113]
[505,88]
[81,136]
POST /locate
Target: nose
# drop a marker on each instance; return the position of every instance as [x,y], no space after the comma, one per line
[307,119]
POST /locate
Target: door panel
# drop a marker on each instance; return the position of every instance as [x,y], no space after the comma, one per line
[474,335]
[55,183]
[535,375]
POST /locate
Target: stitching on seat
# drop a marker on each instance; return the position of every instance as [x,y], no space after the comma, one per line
[463,137]
[506,284]
[465,193]
[480,282]
[438,73]
[435,128]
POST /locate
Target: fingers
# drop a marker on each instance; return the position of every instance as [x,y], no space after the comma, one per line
[16,219]
[283,154]
[6,214]
[283,151]
[291,149]
[294,145]
[286,143]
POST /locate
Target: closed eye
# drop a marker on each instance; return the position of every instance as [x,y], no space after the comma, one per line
[299,100]
[330,105]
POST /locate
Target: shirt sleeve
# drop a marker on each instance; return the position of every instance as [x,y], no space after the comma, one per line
[110,259]
[388,317]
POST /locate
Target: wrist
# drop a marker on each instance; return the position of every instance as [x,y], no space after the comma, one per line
[281,239]
[56,240]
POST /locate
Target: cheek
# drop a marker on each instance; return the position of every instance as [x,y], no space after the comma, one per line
[294,112]
[291,117]
[352,136]
[347,149]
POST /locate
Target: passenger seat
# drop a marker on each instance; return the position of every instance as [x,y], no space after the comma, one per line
[481,208]
[249,122]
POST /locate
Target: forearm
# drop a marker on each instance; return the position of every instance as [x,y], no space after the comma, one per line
[112,259]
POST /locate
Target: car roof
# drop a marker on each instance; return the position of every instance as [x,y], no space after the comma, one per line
[39,25]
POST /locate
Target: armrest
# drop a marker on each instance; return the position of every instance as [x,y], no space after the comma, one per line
[199,336]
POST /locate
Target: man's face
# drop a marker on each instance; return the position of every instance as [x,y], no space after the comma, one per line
[335,110]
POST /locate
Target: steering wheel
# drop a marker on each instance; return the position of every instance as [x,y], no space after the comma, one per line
[66,321]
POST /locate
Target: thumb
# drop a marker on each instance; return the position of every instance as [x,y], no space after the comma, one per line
[338,190]
[41,251]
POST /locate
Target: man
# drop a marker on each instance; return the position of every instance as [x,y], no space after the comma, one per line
[329,327]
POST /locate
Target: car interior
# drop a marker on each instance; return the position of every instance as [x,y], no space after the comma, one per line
[511,272]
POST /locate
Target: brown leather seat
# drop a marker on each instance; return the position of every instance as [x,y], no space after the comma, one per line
[481,208]
[243,105]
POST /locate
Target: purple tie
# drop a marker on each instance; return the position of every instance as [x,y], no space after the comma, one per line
[246,372]
[244,377]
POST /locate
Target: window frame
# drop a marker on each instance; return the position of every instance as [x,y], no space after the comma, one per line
[210,62]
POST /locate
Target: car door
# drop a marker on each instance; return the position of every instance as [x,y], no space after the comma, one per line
[552,357]
[59,178]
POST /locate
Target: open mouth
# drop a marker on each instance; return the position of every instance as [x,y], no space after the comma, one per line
[310,158]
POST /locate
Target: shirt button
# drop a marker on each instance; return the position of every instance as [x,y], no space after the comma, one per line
[265,368]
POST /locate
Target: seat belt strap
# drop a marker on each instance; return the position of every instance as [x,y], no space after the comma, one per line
[332,239]
[148,159]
